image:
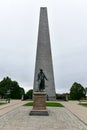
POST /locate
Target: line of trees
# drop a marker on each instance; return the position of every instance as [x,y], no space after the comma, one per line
[11,89]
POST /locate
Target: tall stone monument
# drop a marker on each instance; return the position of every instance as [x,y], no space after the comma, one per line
[44,56]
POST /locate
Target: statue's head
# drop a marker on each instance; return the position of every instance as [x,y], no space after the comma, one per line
[41,70]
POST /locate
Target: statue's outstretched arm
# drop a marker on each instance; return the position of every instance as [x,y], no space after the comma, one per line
[45,77]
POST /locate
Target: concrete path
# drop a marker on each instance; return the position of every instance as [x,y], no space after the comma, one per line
[77,110]
[58,119]
[10,106]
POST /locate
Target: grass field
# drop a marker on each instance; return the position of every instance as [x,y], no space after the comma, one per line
[48,104]
[2,103]
[83,104]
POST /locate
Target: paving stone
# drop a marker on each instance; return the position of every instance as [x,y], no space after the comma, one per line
[77,110]
[58,119]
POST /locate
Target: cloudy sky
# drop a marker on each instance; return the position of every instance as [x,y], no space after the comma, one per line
[19,21]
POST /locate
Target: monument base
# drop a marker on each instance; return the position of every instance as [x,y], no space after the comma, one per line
[39,107]
[38,113]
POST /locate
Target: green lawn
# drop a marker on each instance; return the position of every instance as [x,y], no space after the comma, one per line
[83,104]
[48,104]
[2,103]
[54,104]
[28,104]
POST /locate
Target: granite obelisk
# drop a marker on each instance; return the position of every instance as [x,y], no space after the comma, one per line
[44,55]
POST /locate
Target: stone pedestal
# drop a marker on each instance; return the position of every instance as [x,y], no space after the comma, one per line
[39,107]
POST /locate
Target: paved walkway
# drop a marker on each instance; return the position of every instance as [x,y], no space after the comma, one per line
[59,119]
[10,106]
[77,110]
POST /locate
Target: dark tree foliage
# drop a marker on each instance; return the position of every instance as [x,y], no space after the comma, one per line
[77,91]
[15,91]
[60,97]
[29,94]
[86,91]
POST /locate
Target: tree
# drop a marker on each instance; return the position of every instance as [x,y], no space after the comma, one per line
[77,91]
[86,92]
[7,85]
[60,96]
[29,94]
[4,86]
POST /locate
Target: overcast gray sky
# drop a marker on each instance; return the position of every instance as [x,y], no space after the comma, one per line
[19,21]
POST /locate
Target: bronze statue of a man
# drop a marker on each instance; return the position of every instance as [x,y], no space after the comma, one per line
[41,80]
